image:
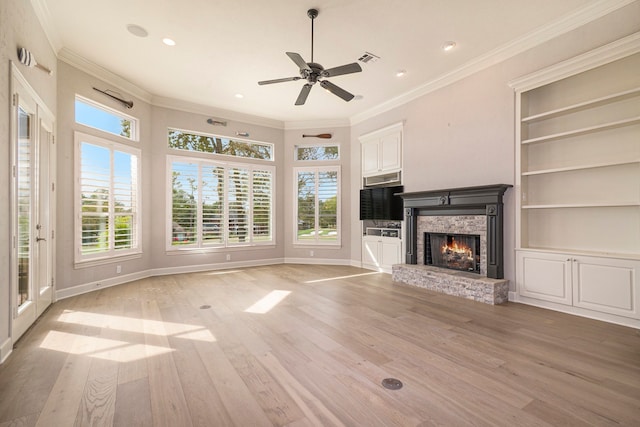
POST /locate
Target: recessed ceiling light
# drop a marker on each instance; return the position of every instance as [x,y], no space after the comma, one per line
[239,95]
[137,30]
[401,73]
[168,41]
[447,46]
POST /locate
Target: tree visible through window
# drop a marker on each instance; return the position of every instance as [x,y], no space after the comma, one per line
[108,198]
[317,207]
[218,204]
[190,141]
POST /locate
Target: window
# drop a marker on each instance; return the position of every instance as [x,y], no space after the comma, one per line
[108,198]
[192,141]
[317,152]
[218,204]
[92,114]
[317,205]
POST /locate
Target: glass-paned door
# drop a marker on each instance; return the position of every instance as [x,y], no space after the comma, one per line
[32,207]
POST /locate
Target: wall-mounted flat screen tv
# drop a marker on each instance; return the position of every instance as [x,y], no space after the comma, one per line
[380,203]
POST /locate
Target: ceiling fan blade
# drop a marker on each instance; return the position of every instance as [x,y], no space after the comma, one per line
[302,98]
[343,69]
[286,79]
[336,90]
[295,57]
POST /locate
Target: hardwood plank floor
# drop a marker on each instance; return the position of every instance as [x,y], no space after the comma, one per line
[300,345]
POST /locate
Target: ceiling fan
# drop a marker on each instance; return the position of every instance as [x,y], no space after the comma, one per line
[314,73]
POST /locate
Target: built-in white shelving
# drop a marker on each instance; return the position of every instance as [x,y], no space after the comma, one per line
[578,185]
[583,131]
[583,105]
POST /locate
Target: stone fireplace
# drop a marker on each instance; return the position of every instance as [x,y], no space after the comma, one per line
[466,227]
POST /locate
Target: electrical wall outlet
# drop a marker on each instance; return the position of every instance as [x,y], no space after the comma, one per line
[118,269]
[310,253]
[228,257]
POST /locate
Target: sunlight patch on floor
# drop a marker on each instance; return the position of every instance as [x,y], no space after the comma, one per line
[341,277]
[141,326]
[101,348]
[267,303]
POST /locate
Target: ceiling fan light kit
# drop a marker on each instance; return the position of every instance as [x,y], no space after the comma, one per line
[314,73]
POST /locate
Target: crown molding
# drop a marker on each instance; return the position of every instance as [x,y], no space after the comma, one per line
[189,107]
[91,68]
[44,17]
[317,124]
[594,58]
[500,54]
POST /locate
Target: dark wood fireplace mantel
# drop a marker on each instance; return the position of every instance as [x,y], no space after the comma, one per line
[481,200]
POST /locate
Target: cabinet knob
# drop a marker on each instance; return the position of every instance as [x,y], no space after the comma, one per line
[568,259]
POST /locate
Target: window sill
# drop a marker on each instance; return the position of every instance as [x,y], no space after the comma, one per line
[217,249]
[105,261]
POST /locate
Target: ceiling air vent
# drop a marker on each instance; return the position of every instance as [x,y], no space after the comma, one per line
[368,57]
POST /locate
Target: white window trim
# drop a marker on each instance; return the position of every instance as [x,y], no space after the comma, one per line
[317,242]
[95,259]
[199,247]
[326,144]
[225,156]
[135,128]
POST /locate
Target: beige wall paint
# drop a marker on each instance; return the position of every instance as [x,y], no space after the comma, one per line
[163,118]
[463,134]
[302,253]
[19,27]
[71,81]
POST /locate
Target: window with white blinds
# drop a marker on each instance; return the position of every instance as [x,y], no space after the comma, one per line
[217,204]
[107,198]
[317,208]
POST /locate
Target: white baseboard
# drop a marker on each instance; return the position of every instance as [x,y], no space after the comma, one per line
[5,349]
[99,284]
[119,280]
[208,267]
[317,261]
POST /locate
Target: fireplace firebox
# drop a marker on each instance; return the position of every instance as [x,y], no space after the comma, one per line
[453,251]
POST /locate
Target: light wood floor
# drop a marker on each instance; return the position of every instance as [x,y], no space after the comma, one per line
[196,349]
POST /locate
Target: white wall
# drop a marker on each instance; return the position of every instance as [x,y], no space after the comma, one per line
[463,134]
[19,27]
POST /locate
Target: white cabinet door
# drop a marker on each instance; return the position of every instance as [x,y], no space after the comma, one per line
[381,253]
[370,158]
[370,252]
[390,252]
[382,152]
[544,276]
[607,285]
[390,152]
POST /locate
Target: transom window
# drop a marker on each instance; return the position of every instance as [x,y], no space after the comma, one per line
[218,204]
[98,116]
[203,143]
[317,205]
[317,152]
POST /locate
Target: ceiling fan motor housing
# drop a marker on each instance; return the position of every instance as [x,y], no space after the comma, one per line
[316,72]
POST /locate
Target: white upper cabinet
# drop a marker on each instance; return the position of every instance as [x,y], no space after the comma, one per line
[382,151]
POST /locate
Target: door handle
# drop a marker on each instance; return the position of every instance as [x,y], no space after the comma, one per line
[40,239]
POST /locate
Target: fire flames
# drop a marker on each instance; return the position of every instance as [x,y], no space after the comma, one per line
[457,249]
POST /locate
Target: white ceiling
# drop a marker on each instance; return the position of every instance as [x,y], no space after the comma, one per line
[225,47]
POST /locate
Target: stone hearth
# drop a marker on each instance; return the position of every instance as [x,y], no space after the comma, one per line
[470,210]
[457,283]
